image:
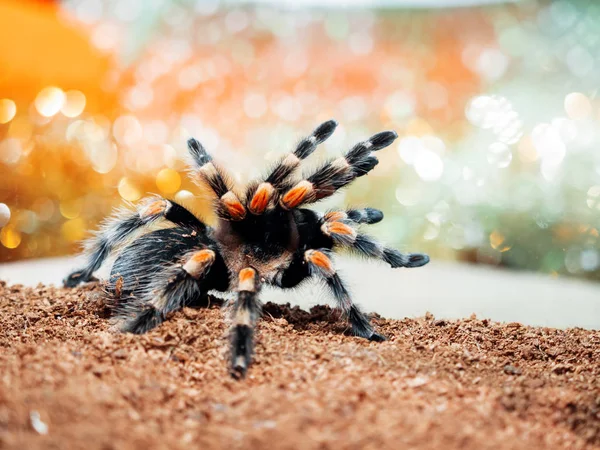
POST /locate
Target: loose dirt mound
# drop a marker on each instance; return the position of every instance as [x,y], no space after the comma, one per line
[68,381]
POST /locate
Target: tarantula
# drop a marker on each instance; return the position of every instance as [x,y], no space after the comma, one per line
[167,258]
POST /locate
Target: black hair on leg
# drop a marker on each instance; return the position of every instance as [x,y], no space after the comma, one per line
[376,142]
[181,216]
[204,168]
[204,171]
[246,311]
[343,234]
[361,326]
[143,321]
[293,275]
[368,246]
[170,290]
[336,174]
[305,148]
[117,229]
[365,215]
[321,266]
[265,195]
[242,337]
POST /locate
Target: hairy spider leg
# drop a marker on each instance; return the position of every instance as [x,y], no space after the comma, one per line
[204,171]
[321,266]
[123,225]
[336,174]
[364,215]
[246,311]
[345,235]
[265,194]
[170,289]
[138,262]
[293,275]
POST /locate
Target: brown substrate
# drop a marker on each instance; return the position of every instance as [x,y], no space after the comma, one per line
[435,384]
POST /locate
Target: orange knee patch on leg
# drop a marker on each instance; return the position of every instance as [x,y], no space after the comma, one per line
[321,260]
[247,279]
[233,206]
[197,264]
[334,216]
[203,256]
[157,207]
[261,198]
[297,194]
[340,228]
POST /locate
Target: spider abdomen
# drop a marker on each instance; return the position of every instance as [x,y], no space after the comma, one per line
[137,264]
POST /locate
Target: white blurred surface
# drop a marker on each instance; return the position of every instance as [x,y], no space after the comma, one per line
[447,290]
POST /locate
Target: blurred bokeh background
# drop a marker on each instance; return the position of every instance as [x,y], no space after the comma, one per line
[496,105]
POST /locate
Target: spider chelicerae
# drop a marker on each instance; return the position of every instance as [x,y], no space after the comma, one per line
[167,258]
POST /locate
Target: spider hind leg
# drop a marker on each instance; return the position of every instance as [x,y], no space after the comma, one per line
[162,272]
[171,289]
[124,225]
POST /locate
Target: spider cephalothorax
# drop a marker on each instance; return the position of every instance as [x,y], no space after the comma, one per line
[167,258]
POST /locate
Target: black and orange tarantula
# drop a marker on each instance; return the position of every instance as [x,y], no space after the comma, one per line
[167,258]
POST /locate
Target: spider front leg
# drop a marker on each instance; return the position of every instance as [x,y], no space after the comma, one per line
[262,196]
[246,311]
[171,289]
[336,174]
[123,225]
[364,215]
[206,172]
[321,265]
